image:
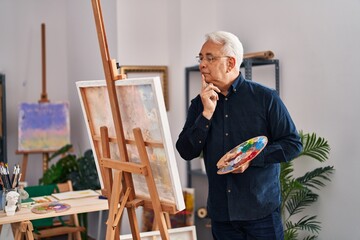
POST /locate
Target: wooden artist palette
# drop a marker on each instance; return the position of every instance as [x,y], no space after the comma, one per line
[49,207]
[242,153]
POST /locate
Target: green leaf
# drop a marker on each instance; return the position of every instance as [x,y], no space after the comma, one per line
[290,234]
[297,192]
[309,224]
[312,237]
[315,178]
[314,147]
[298,201]
[61,151]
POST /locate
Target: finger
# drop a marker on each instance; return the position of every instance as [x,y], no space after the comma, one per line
[224,161]
[239,170]
[214,95]
[242,168]
[220,163]
[203,82]
[212,87]
[216,89]
[232,155]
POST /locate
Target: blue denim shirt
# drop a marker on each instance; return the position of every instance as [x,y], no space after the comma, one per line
[249,110]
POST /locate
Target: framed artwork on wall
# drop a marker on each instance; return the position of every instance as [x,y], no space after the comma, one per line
[133,71]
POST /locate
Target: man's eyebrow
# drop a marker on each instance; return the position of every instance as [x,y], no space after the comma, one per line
[206,54]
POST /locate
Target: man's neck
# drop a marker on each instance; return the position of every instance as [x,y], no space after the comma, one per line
[232,75]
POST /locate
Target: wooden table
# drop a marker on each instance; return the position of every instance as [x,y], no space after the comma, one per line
[80,205]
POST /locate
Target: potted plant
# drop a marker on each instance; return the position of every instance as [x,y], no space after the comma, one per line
[299,192]
[81,170]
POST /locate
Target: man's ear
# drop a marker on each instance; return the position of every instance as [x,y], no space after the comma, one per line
[231,63]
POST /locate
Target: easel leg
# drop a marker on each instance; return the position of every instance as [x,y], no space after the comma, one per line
[26,228]
[24,166]
[119,213]
[45,161]
[158,213]
[113,206]
[167,220]
[133,223]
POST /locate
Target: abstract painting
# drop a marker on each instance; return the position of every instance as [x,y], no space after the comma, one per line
[43,126]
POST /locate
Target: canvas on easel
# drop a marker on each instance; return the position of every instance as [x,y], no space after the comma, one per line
[43,126]
[141,105]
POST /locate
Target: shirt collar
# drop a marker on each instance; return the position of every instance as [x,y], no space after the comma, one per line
[233,88]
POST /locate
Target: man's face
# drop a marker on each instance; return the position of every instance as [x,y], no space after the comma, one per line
[213,64]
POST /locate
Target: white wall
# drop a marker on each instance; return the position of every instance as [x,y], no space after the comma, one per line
[316,43]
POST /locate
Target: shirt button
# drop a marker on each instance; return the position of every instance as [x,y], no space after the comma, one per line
[226,115]
[229,190]
[226,99]
[226,134]
[199,141]
[207,126]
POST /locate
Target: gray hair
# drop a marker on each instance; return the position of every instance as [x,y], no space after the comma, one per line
[231,45]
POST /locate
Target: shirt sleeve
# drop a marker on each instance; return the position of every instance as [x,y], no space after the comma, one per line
[284,141]
[193,136]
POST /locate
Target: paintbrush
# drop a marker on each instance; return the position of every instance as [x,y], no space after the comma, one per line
[14,182]
[7,175]
[4,178]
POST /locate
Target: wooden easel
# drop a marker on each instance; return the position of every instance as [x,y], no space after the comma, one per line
[116,174]
[43,99]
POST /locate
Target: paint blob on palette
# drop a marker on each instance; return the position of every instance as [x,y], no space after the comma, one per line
[241,154]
